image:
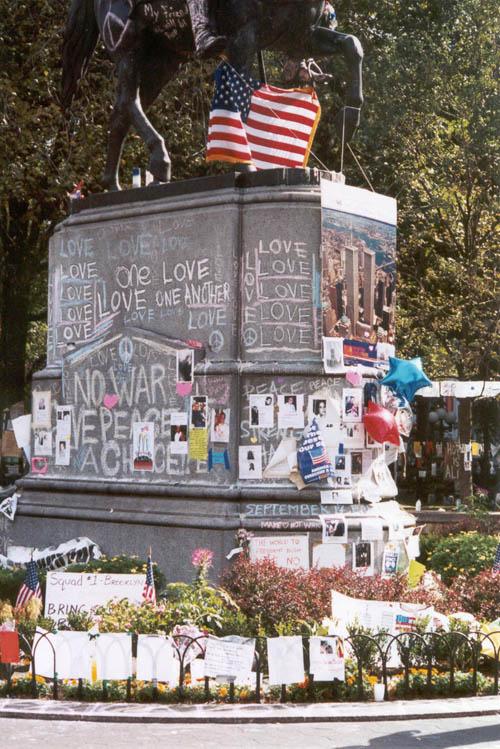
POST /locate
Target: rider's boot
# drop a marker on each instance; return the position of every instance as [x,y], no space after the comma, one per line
[207,44]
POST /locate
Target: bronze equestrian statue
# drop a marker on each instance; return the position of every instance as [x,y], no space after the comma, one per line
[149,40]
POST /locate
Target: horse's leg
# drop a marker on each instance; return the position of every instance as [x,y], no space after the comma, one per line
[119,125]
[330,42]
[159,162]
[153,77]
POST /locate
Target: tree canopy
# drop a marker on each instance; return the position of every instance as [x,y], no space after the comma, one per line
[428,137]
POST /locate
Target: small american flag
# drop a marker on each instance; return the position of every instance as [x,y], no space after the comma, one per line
[496,563]
[319,456]
[30,587]
[149,592]
[257,124]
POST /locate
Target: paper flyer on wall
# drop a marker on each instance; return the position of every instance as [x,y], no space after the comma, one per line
[327,658]
[219,424]
[290,411]
[42,442]
[362,557]
[198,444]
[312,458]
[250,462]
[179,433]
[334,529]
[261,411]
[329,555]
[358,248]
[63,435]
[143,445]
[41,408]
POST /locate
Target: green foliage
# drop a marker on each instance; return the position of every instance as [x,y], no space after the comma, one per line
[463,554]
[10,581]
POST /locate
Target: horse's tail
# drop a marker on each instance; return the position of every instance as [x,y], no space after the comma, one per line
[80,38]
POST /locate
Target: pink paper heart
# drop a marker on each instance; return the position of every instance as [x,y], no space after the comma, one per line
[110,400]
[184,388]
[354,378]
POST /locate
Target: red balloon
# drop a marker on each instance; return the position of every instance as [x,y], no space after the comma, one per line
[381,424]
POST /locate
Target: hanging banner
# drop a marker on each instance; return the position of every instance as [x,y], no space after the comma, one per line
[358,249]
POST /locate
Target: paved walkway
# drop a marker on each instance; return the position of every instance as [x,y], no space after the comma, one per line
[119,712]
[442,733]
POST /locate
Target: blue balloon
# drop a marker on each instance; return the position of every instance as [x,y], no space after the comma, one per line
[405,377]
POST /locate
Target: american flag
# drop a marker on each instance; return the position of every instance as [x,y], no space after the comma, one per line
[253,123]
[319,456]
[30,587]
[496,563]
[149,592]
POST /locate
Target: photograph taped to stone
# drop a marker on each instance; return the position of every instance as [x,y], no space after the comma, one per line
[290,411]
[199,415]
[352,405]
[335,528]
[219,424]
[362,557]
[143,438]
[41,408]
[261,410]
[63,435]
[357,462]
[390,559]
[250,461]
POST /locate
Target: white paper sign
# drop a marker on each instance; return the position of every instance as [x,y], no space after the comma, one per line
[250,462]
[229,656]
[291,552]
[286,660]
[71,651]
[327,658]
[113,653]
[372,529]
[329,555]
[79,592]
[22,433]
[156,659]
[41,408]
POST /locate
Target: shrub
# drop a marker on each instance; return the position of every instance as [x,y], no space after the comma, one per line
[462,554]
[479,595]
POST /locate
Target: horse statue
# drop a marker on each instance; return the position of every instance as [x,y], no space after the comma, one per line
[149,40]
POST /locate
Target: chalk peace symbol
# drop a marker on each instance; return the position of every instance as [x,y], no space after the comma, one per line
[216,340]
[249,336]
[126,350]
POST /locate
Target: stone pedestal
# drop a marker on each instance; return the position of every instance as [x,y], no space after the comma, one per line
[227,266]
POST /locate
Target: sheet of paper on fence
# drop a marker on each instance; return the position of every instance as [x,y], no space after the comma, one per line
[393,616]
[156,660]
[329,555]
[114,656]
[71,651]
[327,658]
[229,656]
[291,552]
[197,668]
[372,529]
[286,660]
[77,592]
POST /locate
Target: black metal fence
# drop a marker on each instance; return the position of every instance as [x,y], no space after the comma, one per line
[432,653]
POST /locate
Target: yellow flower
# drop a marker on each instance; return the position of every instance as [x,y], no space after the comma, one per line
[39,679]
[223,692]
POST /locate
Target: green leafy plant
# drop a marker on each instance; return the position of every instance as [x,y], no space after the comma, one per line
[463,554]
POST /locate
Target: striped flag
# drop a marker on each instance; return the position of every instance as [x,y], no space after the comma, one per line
[30,587]
[149,592]
[496,563]
[257,124]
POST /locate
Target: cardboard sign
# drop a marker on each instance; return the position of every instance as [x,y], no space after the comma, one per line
[74,592]
[291,552]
